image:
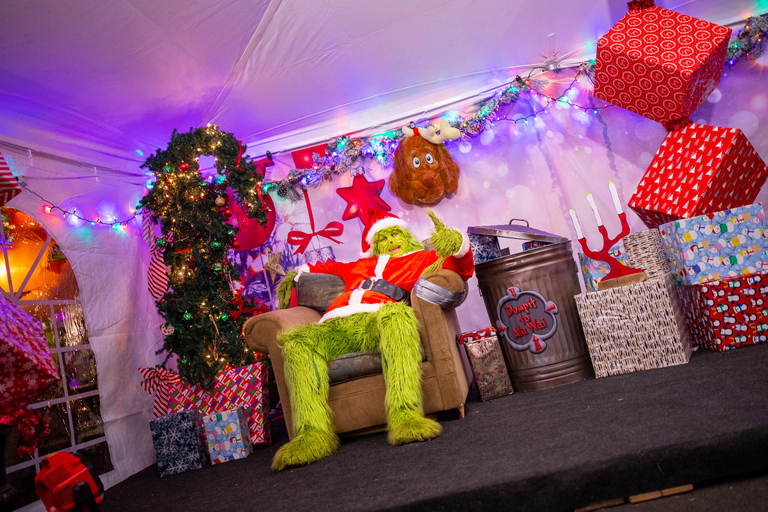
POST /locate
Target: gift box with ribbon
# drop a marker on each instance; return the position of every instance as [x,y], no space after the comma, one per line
[227,435]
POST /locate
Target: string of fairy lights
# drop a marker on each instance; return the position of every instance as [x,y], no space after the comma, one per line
[349,154]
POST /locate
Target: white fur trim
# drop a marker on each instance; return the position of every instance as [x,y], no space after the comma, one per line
[356,297]
[350,310]
[464,249]
[381,264]
[386,222]
[304,269]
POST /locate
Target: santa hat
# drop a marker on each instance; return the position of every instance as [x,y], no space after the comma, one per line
[379,220]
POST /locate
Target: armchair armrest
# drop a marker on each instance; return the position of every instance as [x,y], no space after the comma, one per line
[261,331]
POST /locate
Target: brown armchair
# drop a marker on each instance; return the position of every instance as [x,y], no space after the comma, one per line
[357,389]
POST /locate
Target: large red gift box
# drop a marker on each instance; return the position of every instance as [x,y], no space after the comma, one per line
[26,366]
[659,63]
[727,314]
[245,387]
[699,169]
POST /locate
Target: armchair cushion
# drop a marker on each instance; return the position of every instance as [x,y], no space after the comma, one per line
[356,365]
[317,291]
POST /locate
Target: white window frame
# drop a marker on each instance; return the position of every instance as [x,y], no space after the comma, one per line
[15,298]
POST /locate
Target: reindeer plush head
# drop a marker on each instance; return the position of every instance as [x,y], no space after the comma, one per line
[424,170]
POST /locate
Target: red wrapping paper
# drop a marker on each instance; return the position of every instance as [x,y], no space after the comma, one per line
[659,63]
[9,187]
[244,387]
[26,366]
[727,314]
[697,170]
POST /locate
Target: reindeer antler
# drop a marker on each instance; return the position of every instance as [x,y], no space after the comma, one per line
[435,135]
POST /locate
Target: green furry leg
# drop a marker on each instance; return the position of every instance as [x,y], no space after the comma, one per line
[401,361]
[306,374]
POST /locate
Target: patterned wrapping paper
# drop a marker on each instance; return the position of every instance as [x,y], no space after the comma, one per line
[26,366]
[635,327]
[9,186]
[659,63]
[227,436]
[715,246]
[245,387]
[484,247]
[487,362]
[727,314]
[645,250]
[179,442]
[697,170]
[593,271]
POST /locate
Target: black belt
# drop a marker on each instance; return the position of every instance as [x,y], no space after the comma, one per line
[385,288]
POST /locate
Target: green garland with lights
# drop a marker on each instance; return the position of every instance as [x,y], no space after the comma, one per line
[203,325]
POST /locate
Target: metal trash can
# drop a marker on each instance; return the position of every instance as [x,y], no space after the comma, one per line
[529,298]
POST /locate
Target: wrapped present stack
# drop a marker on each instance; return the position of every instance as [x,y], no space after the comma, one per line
[698,169]
[227,436]
[659,63]
[487,362]
[26,366]
[179,442]
[721,261]
[645,250]
[246,387]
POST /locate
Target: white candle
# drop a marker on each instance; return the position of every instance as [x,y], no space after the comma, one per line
[576,223]
[615,197]
[594,209]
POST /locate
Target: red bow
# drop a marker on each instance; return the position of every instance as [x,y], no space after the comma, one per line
[239,303]
[302,239]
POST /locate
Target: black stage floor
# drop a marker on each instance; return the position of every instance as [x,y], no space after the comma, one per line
[557,449]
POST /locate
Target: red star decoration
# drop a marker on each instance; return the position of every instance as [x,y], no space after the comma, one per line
[362,198]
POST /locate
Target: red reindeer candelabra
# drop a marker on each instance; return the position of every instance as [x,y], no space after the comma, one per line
[619,274]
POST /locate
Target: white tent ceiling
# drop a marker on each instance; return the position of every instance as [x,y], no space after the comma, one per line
[100,79]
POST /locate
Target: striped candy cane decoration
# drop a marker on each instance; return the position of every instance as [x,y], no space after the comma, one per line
[158,380]
[9,187]
[156,277]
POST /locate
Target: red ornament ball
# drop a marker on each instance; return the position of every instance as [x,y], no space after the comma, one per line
[183,166]
[235,244]
[227,213]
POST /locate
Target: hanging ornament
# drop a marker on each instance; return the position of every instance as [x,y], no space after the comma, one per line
[235,244]
[183,166]
[363,198]
[224,317]
[161,242]
[302,239]
[228,213]
[273,265]
[187,316]
[215,245]
[167,329]
[217,268]
[220,201]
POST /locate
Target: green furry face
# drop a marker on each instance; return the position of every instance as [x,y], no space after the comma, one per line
[395,241]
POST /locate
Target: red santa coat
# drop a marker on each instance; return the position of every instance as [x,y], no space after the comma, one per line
[403,271]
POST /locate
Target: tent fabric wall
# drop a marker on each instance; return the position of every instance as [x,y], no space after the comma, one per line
[110,267]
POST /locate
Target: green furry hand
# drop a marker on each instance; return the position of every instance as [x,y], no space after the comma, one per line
[446,241]
[285,288]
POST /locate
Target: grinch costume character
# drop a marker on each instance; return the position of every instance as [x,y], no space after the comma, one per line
[369,316]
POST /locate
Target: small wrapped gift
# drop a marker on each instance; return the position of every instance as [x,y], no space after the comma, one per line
[179,442]
[245,387]
[659,63]
[727,314]
[487,362]
[645,250]
[697,170]
[634,327]
[484,247]
[715,246]
[227,435]
[26,366]
[593,271]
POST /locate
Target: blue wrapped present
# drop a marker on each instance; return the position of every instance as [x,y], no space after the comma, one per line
[179,442]
[227,435]
[484,247]
[718,245]
[593,270]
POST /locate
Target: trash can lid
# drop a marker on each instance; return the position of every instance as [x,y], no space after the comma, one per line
[517,231]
